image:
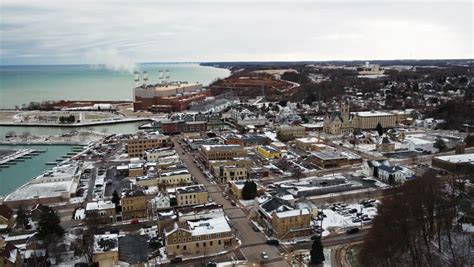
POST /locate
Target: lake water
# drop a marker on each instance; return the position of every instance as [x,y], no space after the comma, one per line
[23,84]
[20,173]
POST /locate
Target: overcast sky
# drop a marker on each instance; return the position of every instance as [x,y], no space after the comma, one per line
[63,32]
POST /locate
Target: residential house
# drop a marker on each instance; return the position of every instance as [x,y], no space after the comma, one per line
[9,254]
[370,167]
[7,218]
[395,174]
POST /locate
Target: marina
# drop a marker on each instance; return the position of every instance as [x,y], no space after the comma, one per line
[40,158]
[19,156]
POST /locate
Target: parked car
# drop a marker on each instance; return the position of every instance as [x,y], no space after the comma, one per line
[264,255]
[233,203]
[273,242]
[176,260]
[255,228]
[351,231]
[135,221]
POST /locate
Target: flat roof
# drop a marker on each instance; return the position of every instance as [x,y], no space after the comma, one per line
[210,226]
[166,87]
[372,113]
[41,190]
[462,158]
[191,189]
[328,155]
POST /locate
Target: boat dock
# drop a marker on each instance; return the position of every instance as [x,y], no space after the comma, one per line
[18,156]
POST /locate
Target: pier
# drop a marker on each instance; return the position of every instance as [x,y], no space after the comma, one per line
[18,156]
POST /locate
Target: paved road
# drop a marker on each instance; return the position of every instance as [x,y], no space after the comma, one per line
[252,243]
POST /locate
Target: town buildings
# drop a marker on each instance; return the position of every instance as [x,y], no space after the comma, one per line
[134,204]
[268,152]
[7,218]
[221,152]
[395,174]
[288,132]
[105,250]
[462,163]
[202,237]
[191,195]
[175,127]
[101,211]
[167,97]
[9,254]
[54,186]
[136,147]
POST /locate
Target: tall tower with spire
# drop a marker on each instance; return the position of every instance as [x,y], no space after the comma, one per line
[345,111]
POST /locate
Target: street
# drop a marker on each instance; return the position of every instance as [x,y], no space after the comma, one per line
[252,243]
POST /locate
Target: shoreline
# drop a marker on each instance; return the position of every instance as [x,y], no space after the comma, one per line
[74,125]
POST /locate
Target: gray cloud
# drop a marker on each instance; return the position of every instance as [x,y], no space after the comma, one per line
[58,32]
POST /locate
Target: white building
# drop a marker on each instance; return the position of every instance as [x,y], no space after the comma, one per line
[370,167]
[160,201]
[395,174]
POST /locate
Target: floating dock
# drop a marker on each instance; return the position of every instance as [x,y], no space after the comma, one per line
[18,156]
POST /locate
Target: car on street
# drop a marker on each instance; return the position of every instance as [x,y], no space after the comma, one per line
[255,228]
[351,231]
[273,242]
[264,255]
[176,260]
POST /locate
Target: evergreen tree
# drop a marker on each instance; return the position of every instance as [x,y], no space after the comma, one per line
[22,218]
[439,144]
[379,129]
[116,201]
[317,254]
[249,191]
[49,224]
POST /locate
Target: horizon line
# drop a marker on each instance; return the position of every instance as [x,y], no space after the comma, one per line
[251,61]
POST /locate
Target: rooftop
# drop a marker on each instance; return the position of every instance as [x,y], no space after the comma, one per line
[221,147]
[328,155]
[100,205]
[191,189]
[292,213]
[209,226]
[462,158]
[372,113]
[105,243]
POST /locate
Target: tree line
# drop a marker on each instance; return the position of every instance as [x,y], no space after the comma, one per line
[416,225]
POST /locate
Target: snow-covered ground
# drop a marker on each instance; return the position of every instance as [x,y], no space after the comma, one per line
[342,218]
[304,257]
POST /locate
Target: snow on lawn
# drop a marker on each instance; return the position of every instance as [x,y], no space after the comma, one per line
[304,256]
[342,218]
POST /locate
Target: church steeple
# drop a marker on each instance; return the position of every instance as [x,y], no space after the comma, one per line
[344,110]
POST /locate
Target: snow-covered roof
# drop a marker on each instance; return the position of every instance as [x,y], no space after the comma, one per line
[41,190]
[292,213]
[308,140]
[209,226]
[372,113]
[100,205]
[105,243]
[220,147]
[462,158]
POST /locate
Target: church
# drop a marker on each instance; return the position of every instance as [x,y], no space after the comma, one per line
[343,122]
